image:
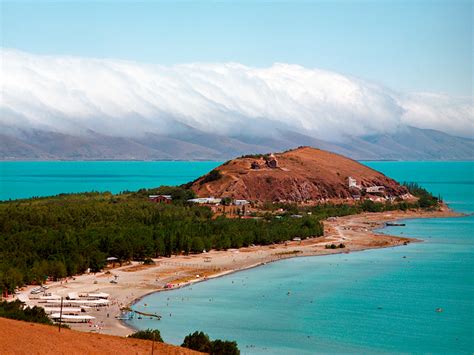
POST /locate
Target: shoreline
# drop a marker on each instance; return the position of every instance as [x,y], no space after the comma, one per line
[136,281]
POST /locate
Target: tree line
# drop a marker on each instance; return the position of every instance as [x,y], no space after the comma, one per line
[66,235]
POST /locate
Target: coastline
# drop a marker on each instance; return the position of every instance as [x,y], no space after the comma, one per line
[136,281]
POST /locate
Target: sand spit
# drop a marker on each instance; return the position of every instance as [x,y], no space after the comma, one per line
[135,280]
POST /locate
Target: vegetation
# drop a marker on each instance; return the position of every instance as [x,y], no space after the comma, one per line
[66,235]
[212,176]
[226,201]
[426,199]
[335,246]
[200,341]
[255,156]
[148,334]
[55,237]
[179,195]
[16,310]
[323,211]
[224,347]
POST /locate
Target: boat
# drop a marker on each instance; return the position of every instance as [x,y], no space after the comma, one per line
[391,224]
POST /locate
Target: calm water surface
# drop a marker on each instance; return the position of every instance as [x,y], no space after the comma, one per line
[375,301]
[28,179]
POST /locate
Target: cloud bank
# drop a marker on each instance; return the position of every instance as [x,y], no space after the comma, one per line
[113,97]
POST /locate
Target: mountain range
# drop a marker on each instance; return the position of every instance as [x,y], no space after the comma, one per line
[406,143]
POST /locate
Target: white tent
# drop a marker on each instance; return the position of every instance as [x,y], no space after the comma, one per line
[66,310]
[23,298]
[67,318]
[49,298]
[72,296]
[98,295]
[94,303]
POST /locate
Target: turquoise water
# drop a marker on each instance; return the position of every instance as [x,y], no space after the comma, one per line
[368,302]
[28,179]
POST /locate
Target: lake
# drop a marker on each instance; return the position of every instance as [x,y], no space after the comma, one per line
[375,301]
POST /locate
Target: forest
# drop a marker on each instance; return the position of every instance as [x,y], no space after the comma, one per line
[65,235]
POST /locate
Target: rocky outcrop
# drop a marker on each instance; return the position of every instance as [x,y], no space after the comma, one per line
[300,175]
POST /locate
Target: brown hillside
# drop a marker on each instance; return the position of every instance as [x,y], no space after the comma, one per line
[18,337]
[303,174]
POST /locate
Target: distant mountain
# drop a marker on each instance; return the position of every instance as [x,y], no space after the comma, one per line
[407,143]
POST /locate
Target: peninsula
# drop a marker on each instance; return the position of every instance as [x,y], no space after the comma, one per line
[247,212]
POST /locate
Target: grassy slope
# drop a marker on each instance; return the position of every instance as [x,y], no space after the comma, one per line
[30,338]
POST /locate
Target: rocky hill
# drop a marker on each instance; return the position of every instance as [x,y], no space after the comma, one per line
[300,175]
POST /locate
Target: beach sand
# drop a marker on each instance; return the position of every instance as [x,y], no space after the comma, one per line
[136,280]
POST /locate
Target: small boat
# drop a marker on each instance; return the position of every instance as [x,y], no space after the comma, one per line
[391,224]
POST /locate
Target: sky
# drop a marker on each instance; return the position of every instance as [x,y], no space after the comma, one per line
[408,45]
[310,65]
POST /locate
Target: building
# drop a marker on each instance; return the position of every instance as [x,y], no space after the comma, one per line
[241,202]
[352,182]
[206,200]
[375,189]
[272,162]
[160,198]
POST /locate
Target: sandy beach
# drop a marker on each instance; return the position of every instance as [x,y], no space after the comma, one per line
[136,280]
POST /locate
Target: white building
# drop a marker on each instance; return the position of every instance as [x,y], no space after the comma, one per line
[206,200]
[241,202]
[375,189]
[352,182]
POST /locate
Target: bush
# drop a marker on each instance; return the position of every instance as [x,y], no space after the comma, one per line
[371,206]
[200,341]
[226,201]
[425,198]
[255,156]
[212,176]
[149,334]
[220,347]
[334,246]
[179,194]
[16,310]
[148,261]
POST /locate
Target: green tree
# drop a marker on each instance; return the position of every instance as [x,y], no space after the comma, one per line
[224,347]
[198,341]
[148,334]
[197,245]
[17,310]
[57,270]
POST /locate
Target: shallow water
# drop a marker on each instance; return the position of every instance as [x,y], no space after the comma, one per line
[373,301]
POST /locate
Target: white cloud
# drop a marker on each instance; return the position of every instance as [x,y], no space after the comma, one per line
[72,94]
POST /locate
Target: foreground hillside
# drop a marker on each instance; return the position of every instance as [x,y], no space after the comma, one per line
[299,175]
[18,337]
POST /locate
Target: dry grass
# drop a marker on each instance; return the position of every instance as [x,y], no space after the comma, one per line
[18,337]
